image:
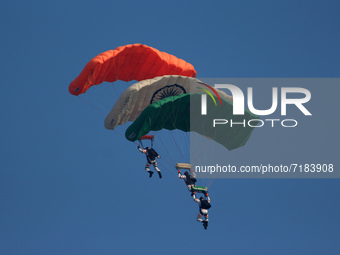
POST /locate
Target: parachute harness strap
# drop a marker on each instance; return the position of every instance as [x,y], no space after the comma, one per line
[141,143]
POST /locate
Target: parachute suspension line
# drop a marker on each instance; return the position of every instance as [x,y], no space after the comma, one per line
[199,153]
[172,135]
[141,143]
[174,140]
[165,151]
[210,182]
[166,168]
[188,139]
[102,110]
[169,159]
[122,135]
[102,96]
[168,162]
[180,151]
[212,151]
[117,88]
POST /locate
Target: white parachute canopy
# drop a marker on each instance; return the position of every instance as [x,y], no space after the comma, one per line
[140,95]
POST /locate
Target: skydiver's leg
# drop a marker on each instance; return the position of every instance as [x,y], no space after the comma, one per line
[157,169]
[206,217]
[206,221]
[155,166]
[147,168]
[203,212]
[199,217]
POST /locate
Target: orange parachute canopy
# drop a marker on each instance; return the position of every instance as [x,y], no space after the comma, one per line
[127,63]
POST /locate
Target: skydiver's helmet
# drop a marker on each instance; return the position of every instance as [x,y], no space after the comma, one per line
[147,148]
[186,174]
[201,198]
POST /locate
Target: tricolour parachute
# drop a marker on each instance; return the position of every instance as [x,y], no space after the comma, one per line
[127,63]
[140,95]
[183,112]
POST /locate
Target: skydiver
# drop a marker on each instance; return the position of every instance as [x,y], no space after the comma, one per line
[151,156]
[188,179]
[204,205]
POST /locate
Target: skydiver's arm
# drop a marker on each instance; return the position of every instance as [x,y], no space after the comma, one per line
[156,154]
[180,175]
[195,199]
[141,150]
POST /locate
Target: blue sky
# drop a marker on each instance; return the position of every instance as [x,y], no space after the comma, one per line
[69,186]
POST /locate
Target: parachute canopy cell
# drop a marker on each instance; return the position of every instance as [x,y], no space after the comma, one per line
[140,95]
[183,112]
[127,63]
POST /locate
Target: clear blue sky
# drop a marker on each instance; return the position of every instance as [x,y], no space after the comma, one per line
[69,186]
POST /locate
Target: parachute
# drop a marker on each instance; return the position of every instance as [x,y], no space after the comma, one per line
[127,63]
[140,95]
[166,97]
[183,112]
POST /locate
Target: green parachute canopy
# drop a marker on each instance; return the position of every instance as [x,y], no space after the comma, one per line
[183,112]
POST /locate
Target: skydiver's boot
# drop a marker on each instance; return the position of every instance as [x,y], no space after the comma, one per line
[150,173]
[160,174]
[205,224]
